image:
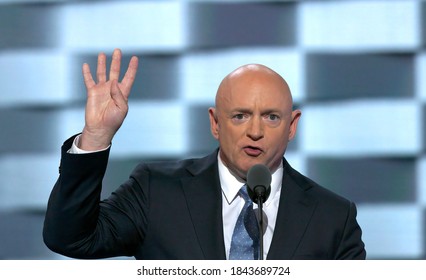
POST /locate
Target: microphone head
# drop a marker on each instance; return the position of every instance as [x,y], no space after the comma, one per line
[259,183]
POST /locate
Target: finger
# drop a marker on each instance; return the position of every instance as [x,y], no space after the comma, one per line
[130,75]
[114,72]
[87,76]
[101,69]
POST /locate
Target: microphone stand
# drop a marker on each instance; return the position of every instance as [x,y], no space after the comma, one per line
[261,228]
[260,193]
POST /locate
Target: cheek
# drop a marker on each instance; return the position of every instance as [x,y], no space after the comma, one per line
[229,140]
[231,132]
[279,140]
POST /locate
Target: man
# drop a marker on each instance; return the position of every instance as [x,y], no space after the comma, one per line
[189,209]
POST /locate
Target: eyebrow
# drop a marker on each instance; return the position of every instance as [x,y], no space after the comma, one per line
[249,111]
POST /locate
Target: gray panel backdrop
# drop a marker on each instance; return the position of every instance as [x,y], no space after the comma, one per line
[356,69]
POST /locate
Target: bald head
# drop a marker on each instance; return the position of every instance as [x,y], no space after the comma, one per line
[255,75]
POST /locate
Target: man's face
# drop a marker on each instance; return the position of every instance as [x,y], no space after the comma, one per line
[253,122]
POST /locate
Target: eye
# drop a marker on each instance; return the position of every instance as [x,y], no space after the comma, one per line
[239,117]
[272,119]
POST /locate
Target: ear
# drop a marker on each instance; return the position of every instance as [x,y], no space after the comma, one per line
[214,125]
[295,116]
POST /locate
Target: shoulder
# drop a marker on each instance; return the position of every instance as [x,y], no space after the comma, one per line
[312,189]
[177,169]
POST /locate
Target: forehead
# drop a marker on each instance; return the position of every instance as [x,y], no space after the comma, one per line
[255,88]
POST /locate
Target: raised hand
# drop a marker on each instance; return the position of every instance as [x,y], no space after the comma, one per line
[107,101]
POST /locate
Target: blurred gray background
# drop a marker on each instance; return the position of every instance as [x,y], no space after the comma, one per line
[357,71]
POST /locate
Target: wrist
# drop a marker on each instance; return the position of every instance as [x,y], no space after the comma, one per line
[76,150]
[93,141]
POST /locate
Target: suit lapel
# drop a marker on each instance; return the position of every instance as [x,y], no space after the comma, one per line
[294,213]
[204,199]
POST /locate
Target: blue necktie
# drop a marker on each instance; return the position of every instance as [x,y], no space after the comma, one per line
[245,239]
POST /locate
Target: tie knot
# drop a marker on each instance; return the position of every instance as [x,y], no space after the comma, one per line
[243,193]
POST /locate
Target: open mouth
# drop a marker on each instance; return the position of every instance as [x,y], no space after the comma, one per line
[252,151]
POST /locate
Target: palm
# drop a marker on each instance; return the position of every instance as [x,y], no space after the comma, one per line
[103,112]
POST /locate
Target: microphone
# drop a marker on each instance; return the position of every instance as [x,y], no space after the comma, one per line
[259,188]
[259,183]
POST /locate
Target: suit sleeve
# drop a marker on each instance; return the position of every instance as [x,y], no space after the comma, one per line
[351,245]
[78,225]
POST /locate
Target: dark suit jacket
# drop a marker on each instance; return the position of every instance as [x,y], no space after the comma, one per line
[173,210]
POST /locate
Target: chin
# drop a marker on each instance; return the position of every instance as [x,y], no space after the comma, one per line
[246,167]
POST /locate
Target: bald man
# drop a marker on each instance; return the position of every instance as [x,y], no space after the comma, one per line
[188,209]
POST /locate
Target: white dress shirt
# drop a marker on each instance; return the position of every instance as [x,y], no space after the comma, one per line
[232,203]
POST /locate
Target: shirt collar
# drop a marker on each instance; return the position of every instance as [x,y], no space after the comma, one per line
[231,185]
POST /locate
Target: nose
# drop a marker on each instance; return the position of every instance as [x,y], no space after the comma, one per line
[255,128]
